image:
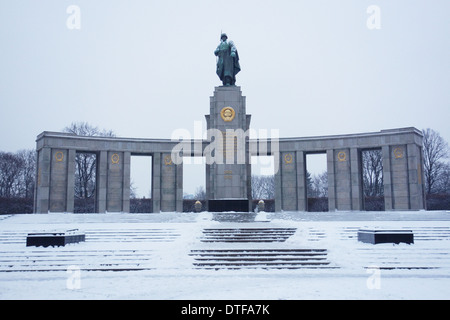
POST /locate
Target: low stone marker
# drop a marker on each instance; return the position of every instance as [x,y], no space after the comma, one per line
[56,238]
[375,236]
[198,206]
[261,205]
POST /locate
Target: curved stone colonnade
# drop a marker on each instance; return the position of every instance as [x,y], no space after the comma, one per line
[402,170]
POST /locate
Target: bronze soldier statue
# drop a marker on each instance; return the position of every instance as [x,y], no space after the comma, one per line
[227,62]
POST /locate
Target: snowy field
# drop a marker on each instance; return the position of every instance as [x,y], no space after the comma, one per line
[149,256]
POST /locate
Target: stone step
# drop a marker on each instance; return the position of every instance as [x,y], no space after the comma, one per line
[260,258]
[104,235]
[247,234]
[57,260]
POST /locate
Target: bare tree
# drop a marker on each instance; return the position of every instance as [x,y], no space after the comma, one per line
[443,183]
[263,187]
[28,173]
[435,150]
[85,165]
[17,174]
[200,193]
[319,185]
[11,166]
[372,172]
[86,129]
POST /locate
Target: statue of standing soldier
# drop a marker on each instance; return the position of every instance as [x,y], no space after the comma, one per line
[227,62]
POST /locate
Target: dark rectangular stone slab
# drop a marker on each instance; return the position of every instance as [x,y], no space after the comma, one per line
[46,239]
[224,205]
[375,236]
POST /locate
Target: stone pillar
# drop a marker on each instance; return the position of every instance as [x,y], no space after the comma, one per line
[101,181]
[387,178]
[343,186]
[288,181]
[156,182]
[58,180]
[340,179]
[356,179]
[278,188]
[167,184]
[331,181]
[228,172]
[42,201]
[302,199]
[126,181]
[70,180]
[399,176]
[114,185]
[415,177]
[179,188]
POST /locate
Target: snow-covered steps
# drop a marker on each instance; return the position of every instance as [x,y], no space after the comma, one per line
[247,234]
[132,235]
[403,256]
[13,237]
[62,259]
[260,258]
[421,233]
[104,235]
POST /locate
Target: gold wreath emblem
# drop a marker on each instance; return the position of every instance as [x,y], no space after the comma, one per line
[288,158]
[168,160]
[227,114]
[59,156]
[115,158]
[342,156]
[398,153]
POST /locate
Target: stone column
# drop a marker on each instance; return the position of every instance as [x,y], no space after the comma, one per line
[179,187]
[170,184]
[415,177]
[58,180]
[302,199]
[356,179]
[288,181]
[156,182]
[228,172]
[70,180]
[340,179]
[278,187]
[114,185]
[331,181]
[101,180]
[399,175]
[43,181]
[387,178]
[126,181]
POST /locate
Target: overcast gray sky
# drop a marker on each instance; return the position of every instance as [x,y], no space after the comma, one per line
[145,68]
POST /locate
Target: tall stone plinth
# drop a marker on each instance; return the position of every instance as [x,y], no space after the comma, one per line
[228,170]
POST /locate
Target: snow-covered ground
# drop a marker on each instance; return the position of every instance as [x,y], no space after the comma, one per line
[156,247]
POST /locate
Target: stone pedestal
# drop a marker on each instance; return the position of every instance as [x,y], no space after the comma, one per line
[46,239]
[228,170]
[375,236]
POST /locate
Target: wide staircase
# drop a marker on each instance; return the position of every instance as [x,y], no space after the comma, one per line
[239,235]
[107,249]
[257,247]
[260,258]
[229,246]
[64,258]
